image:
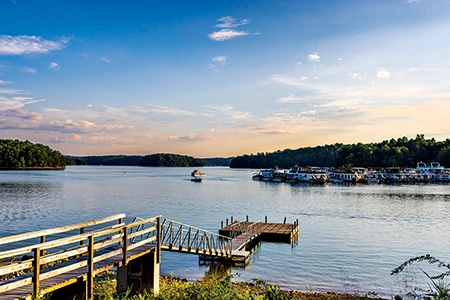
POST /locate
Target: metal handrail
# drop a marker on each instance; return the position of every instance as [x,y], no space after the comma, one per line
[181,237]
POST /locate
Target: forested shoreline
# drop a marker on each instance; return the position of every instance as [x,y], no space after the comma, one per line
[401,152]
[155,160]
[15,154]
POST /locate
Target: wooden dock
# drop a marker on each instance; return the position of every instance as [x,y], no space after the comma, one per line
[245,235]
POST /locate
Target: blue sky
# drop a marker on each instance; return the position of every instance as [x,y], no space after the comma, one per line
[222,78]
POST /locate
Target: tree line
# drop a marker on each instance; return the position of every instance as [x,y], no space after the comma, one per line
[170,160]
[401,152]
[15,154]
[156,160]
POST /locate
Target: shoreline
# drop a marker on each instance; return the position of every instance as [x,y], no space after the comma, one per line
[32,168]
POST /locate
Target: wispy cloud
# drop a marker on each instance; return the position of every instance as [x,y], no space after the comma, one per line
[345,103]
[227,32]
[166,110]
[415,69]
[29,70]
[106,60]
[314,57]
[230,22]
[16,102]
[383,73]
[226,110]
[24,44]
[355,75]
[291,98]
[11,92]
[4,82]
[53,65]
[218,61]
[191,137]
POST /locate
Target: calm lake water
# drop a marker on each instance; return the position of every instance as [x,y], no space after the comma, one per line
[351,237]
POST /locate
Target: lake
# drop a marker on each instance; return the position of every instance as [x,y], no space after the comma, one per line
[351,236]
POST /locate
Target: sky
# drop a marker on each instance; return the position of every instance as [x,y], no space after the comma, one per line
[222,78]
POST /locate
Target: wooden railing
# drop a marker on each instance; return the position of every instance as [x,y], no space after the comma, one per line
[105,247]
[180,237]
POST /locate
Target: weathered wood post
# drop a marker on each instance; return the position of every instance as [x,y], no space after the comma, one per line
[284,222]
[90,275]
[231,219]
[37,271]
[227,221]
[266,219]
[246,218]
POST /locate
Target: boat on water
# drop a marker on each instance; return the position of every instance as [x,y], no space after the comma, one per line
[197,176]
[263,175]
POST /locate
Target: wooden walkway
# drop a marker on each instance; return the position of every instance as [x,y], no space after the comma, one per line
[50,268]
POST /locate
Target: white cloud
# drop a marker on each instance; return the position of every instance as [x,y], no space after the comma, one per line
[314,57]
[226,34]
[53,65]
[230,22]
[345,103]
[220,59]
[23,44]
[298,63]
[29,70]
[339,59]
[383,73]
[4,82]
[89,105]
[291,98]
[106,60]
[304,78]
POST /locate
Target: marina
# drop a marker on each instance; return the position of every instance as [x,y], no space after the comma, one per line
[433,173]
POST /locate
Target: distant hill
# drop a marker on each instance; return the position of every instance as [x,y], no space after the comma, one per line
[170,160]
[217,161]
[159,159]
[105,160]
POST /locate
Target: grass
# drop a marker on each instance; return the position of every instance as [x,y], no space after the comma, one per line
[172,288]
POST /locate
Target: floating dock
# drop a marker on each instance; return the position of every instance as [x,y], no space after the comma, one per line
[245,235]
